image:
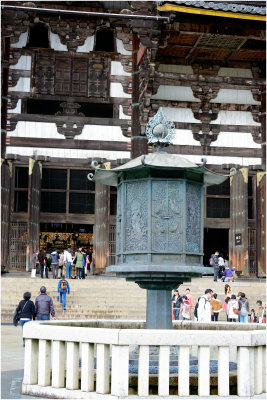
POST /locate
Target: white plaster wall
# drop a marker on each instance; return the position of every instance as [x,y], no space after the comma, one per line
[16,110]
[179,114]
[99,132]
[122,115]
[185,137]
[235,118]
[179,69]
[235,72]
[22,41]
[117,69]
[23,85]
[55,42]
[23,63]
[178,93]
[217,160]
[116,90]
[36,130]
[232,96]
[87,46]
[67,153]
[121,49]
[236,139]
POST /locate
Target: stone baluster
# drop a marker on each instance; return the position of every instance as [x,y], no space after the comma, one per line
[102,368]
[31,362]
[245,371]
[223,371]
[163,374]
[120,370]
[72,375]
[264,371]
[143,371]
[183,370]
[203,371]
[258,367]
[87,370]
[44,362]
[58,364]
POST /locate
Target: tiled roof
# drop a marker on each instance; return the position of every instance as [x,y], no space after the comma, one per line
[240,7]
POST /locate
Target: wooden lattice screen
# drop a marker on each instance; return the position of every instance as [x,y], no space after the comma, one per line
[18,232]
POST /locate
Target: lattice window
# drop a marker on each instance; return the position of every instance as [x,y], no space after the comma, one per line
[18,238]
[217,41]
[112,245]
[252,269]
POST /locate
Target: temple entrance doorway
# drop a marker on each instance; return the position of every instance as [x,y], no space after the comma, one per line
[215,240]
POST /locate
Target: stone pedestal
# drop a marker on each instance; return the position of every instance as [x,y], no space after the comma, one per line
[158,311]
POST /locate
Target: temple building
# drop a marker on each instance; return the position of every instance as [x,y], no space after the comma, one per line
[80,80]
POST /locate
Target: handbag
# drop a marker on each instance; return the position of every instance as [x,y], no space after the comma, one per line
[17,315]
[235,310]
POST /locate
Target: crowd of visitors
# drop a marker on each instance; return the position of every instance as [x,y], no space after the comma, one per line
[209,307]
[74,265]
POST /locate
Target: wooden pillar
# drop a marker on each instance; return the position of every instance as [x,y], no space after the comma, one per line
[238,235]
[139,144]
[261,224]
[101,228]
[33,209]
[6,174]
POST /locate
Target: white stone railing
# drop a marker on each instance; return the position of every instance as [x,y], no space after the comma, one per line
[52,352]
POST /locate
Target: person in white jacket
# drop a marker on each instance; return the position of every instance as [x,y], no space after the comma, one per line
[231,307]
[68,261]
[204,311]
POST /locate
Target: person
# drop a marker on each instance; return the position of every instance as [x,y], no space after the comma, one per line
[34,263]
[225,306]
[27,309]
[216,307]
[243,308]
[84,263]
[68,261]
[60,264]
[221,266]
[44,306]
[63,288]
[228,274]
[190,299]
[79,263]
[232,309]
[259,312]
[176,304]
[253,318]
[54,256]
[214,262]
[42,260]
[185,309]
[227,290]
[203,311]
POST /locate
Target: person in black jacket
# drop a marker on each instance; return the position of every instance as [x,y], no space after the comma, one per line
[27,309]
[176,302]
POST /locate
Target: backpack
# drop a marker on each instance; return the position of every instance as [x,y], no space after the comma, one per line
[243,310]
[63,284]
[212,262]
[195,310]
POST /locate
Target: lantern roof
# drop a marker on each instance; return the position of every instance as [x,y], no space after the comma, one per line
[158,160]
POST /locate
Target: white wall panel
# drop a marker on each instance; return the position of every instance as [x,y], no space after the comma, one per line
[122,115]
[178,69]
[232,96]
[23,85]
[67,153]
[179,114]
[121,49]
[236,139]
[55,43]
[116,90]
[117,69]
[179,93]
[16,110]
[185,137]
[235,118]
[23,63]
[36,130]
[235,72]
[22,41]
[99,132]
[87,46]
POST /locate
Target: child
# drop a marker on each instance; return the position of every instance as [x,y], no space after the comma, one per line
[228,274]
[253,318]
[185,309]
